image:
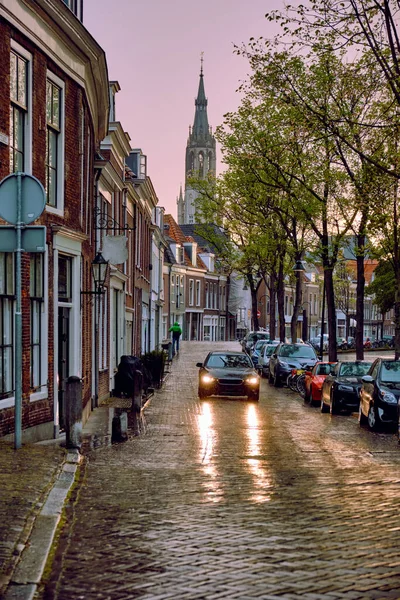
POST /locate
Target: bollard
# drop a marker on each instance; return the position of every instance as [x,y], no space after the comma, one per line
[73,412]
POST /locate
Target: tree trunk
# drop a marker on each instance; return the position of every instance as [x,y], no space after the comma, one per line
[281,301]
[330,303]
[272,306]
[397,317]
[360,297]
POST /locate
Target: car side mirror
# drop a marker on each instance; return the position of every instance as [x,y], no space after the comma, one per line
[367,379]
[199,364]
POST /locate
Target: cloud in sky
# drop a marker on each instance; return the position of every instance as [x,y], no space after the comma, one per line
[153,50]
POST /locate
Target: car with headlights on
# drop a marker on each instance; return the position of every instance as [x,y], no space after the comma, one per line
[380,394]
[288,357]
[228,374]
[341,389]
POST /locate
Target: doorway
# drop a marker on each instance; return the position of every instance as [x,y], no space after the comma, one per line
[63,359]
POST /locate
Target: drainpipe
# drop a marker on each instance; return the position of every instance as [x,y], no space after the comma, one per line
[95,397]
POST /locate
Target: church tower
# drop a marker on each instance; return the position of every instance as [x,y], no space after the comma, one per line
[200,155]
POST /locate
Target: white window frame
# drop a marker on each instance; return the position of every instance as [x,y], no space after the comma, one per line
[198,293]
[44,350]
[18,49]
[59,209]
[191,292]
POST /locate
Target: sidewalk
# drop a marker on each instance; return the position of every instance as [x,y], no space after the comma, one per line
[34,484]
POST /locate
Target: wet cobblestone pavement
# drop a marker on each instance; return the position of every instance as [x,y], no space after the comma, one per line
[227,498]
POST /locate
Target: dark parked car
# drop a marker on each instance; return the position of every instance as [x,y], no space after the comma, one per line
[228,374]
[380,393]
[290,356]
[341,389]
[251,338]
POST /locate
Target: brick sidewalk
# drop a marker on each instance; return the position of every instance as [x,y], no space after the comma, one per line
[26,477]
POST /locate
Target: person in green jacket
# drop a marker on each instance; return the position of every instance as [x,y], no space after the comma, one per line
[176,334]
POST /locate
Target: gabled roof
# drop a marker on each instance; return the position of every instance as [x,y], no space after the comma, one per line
[174,234]
[193,230]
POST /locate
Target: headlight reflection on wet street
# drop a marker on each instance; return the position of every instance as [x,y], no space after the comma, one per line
[259,473]
[207,435]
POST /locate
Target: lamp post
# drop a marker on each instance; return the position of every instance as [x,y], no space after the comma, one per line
[298,268]
[308,319]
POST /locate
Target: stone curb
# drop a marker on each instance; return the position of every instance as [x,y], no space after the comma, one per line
[29,571]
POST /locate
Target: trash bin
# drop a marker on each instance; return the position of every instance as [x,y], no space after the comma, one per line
[167,346]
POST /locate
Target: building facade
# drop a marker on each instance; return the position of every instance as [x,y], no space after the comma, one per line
[54,112]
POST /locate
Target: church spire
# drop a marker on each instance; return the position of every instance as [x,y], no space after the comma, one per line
[200,125]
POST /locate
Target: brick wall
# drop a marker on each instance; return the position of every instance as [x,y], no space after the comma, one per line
[77,215]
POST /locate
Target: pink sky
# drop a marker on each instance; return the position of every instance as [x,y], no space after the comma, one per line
[153,50]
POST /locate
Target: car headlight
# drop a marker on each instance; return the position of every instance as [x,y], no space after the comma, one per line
[252,380]
[389,397]
[207,379]
[345,388]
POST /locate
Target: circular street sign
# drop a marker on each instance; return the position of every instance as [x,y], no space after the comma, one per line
[258,314]
[33,198]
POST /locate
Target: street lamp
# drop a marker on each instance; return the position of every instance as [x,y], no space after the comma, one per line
[99,272]
[299,267]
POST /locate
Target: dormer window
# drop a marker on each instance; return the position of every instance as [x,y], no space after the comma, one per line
[180,255]
[76,6]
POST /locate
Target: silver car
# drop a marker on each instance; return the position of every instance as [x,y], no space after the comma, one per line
[263,360]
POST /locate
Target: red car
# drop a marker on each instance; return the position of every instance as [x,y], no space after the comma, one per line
[315,380]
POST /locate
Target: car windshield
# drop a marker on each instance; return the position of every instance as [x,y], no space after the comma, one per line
[260,344]
[350,369]
[323,369]
[229,361]
[390,371]
[269,350]
[295,351]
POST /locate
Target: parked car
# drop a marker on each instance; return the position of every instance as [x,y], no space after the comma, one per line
[257,351]
[380,393]
[228,374]
[316,343]
[287,357]
[263,361]
[314,380]
[251,338]
[341,389]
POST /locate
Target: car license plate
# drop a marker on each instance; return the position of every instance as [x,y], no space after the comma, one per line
[300,371]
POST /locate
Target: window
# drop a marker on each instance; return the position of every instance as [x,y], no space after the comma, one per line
[53,120]
[207,297]
[179,255]
[18,111]
[7,299]
[75,6]
[64,278]
[37,305]
[191,292]
[198,297]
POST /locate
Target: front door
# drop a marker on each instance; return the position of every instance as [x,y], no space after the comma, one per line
[63,359]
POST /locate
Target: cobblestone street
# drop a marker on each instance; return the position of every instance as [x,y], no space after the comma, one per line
[227,498]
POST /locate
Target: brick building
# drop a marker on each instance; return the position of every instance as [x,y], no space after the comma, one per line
[53,114]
